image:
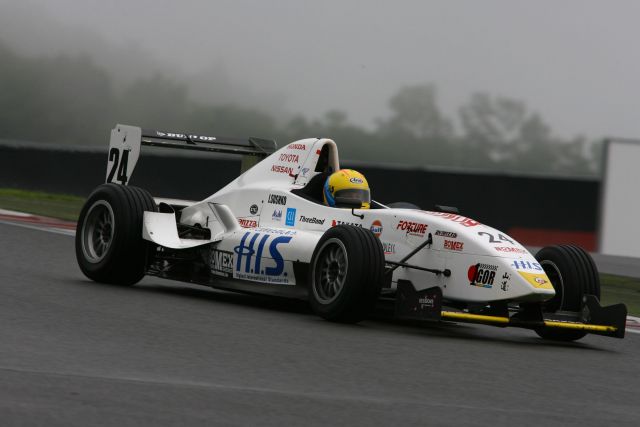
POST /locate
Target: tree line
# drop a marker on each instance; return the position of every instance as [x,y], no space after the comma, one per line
[68,99]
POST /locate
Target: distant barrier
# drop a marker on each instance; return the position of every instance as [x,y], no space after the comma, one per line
[534,210]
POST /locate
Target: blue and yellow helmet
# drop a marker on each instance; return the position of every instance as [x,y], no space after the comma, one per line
[349,184]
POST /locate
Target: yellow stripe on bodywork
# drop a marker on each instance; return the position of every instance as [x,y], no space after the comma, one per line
[539,281]
[553,324]
[479,318]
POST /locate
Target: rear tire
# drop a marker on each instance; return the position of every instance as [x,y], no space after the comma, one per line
[347,271]
[573,274]
[109,243]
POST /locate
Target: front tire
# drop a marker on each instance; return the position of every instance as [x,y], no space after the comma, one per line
[347,272]
[573,274]
[109,243]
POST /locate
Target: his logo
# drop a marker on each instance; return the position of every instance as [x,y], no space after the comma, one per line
[290,220]
[253,209]
[526,265]
[338,222]
[446,234]
[453,245]
[277,215]
[482,275]
[389,248]
[376,228]
[355,180]
[251,268]
[277,199]
[296,147]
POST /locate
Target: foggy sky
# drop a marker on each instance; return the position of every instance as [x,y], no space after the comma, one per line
[575,62]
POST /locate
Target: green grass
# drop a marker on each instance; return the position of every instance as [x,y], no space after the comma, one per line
[61,206]
[615,289]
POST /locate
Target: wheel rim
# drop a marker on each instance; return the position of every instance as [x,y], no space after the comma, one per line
[553,273]
[97,231]
[330,271]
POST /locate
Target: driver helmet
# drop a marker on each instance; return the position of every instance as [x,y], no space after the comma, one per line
[347,183]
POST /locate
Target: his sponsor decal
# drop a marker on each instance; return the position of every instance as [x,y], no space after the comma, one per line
[253,209]
[296,147]
[304,172]
[289,158]
[537,280]
[356,180]
[282,169]
[376,228]
[277,199]
[482,275]
[338,222]
[453,245]
[389,248]
[412,228]
[277,215]
[221,263]
[504,283]
[463,220]
[526,265]
[290,219]
[446,234]
[510,249]
[247,222]
[311,220]
[259,259]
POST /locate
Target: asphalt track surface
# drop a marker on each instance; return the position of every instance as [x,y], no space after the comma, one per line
[73,352]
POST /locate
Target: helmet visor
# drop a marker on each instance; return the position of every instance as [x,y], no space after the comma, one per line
[360,194]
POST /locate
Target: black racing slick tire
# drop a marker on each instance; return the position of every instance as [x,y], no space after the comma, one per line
[346,274]
[573,274]
[109,243]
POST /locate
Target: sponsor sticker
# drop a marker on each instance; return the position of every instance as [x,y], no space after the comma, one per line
[277,231]
[453,245]
[289,158]
[290,219]
[389,248]
[311,220]
[463,220]
[482,275]
[277,199]
[282,169]
[304,172]
[376,228]
[297,147]
[247,223]
[537,280]
[510,249]
[253,209]
[527,265]
[412,228]
[356,180]
[446,234]
[338,222]
[277,215]
[504,283]
[258,258]
[221,263]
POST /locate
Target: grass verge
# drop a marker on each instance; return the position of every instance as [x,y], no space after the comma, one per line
[61,206]
[617,289]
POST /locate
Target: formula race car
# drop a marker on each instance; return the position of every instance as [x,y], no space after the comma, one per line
[269,232]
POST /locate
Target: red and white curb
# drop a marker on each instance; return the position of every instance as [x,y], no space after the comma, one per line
[37,222]
[68,228]
[633,324]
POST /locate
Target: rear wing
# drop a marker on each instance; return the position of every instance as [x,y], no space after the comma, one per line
[126,141]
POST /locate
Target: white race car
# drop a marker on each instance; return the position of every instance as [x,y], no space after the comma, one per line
[269,232]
